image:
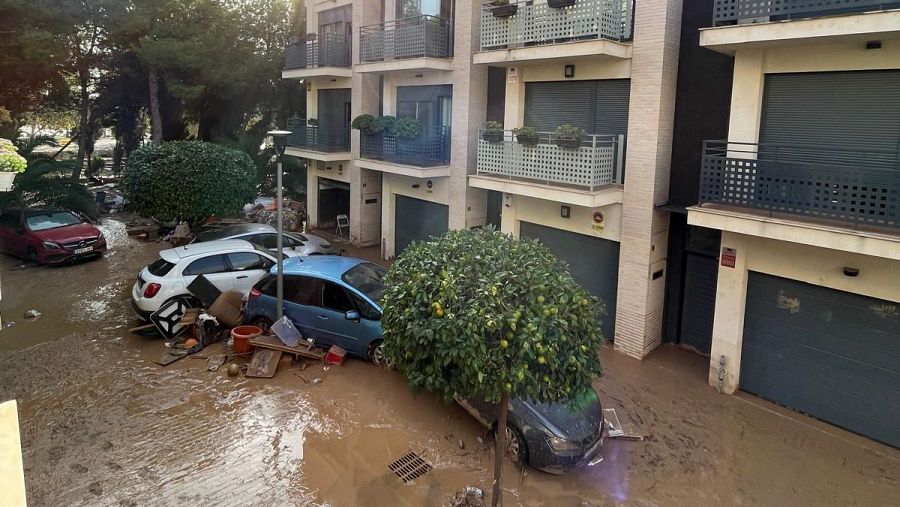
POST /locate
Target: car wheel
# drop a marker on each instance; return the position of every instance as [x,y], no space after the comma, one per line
[376,355]
[515,445]
[32,255]
[262,323]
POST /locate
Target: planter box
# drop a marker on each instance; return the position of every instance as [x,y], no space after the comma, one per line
[527,140]
[504,11]
[6,181]
[559,4]
[569,144]
[492,137]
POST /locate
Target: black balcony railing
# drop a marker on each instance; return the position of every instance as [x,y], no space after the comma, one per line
[428,149]
[308,135]
[416,37]
[327,50]
[727,12]
[855,187]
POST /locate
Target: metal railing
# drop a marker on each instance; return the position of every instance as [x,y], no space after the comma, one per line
[861,187]
[415,37]
[328,50]
[535,22]
[308,135]
[726,12]
[428,149]
[595,162]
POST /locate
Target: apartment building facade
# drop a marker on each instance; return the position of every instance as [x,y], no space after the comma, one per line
[804,189]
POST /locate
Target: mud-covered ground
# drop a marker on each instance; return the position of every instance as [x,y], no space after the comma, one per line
[103,425]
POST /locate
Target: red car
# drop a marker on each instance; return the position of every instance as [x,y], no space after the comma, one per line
[49,235]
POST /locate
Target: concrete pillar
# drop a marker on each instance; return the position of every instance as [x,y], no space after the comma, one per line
[312,195]
[644,228]
[514,115]
[364,98]
[469,111]
[746,96]
[728,326]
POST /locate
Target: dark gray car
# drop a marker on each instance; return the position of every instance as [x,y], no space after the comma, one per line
[266,236]
[552,437]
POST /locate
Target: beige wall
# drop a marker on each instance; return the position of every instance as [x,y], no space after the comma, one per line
[340,171]
[517,208]
[878,278]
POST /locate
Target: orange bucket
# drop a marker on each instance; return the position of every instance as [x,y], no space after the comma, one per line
[241,335]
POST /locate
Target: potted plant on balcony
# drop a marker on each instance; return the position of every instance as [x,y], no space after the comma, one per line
[364,123]
[11,164]
[559,4]
[569,137]
[492,132]
[407,128]
[385,125]
[503,9]
[526,136]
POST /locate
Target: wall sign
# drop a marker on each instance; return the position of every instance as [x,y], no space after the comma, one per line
[728,257]
[598,221]
[429,185]
[513,75]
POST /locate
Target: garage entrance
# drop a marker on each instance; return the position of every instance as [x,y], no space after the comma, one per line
[334,200]
[833,355]
[593,262]
[417,220]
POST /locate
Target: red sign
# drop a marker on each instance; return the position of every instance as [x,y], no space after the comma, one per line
[729,257]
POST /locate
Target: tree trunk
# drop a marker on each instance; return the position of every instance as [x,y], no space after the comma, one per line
[82,126]
[155,116]
[500,450]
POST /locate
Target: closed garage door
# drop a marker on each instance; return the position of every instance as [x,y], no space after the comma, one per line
[593,262]
[417,220]
[830,354]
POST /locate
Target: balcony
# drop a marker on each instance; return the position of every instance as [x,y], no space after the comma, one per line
[850,189]
[327,142]
[585,175]
[327,55]
[729,12]
[431,148]
[406,44]
[534,29]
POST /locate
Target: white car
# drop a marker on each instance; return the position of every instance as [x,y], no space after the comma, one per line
[228,264]
[267,236]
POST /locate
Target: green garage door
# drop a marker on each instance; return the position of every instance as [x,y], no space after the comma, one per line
[417,220]
[593,262]
[830,354]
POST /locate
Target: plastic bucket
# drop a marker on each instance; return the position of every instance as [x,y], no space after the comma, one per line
[241,335]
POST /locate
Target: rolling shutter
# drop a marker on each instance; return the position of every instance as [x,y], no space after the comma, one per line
[599,107]
[611,108]
[417,220]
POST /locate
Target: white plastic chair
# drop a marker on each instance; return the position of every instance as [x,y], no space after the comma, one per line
[343,222]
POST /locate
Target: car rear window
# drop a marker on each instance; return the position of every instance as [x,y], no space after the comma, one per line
[160,267]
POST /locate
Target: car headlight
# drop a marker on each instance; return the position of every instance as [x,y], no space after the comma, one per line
[101,237]
[50,245]
[562,444]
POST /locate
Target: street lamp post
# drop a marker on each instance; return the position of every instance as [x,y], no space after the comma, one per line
[279,141]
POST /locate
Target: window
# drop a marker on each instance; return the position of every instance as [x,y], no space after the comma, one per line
[266,240]
[367,278]
[269,285]
[160,267]
[421,110]
[411,8]
[365,309]
[244,261]
[303,290]
[290,241]
[334,297]
[207,265]
[51,220]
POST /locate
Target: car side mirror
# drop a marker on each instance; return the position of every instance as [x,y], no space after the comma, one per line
[352,315]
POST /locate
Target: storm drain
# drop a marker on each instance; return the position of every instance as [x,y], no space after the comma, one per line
[410,467]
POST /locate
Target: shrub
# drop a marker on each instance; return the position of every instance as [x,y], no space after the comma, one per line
[407,128]
[10,160]
[493,126]
[525,132]
[189,180]
[385,124]
[363,123]
[569,132]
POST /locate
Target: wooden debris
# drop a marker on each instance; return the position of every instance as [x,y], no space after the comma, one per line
[275,343]
[264,363]
[213,363]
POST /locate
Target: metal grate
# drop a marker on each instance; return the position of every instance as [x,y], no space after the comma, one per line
[595,163]
[855,187]
[416,37]
[431,148]
[731,11]
[410,467]
[325,138]
[535,22]
[328,50]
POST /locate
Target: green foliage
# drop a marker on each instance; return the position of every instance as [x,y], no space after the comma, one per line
[478,312]
[569,132]
[10,160]
[46,183]
[189,180]
[364,123]
[493,126]
[525,132]
[499,3]
[407,128]
[385,124]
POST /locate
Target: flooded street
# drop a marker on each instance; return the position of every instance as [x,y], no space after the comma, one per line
[103,425]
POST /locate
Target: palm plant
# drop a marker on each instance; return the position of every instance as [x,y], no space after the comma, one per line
[27,145]
[46,182]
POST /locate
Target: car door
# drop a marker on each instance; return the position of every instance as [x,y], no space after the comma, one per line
[302,301]
[247,268]
[214,267]
[332,318]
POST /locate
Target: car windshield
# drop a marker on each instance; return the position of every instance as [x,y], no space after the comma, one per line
[51,220]
[367,278]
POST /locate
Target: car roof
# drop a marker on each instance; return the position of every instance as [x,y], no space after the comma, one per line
[232,229]
[207,247]
[323,266]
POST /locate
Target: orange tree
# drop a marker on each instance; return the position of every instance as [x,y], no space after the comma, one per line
[483,315]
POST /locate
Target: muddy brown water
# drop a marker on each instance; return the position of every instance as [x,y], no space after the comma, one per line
[102,425]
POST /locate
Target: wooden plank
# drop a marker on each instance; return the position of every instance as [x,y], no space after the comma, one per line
[264,363]
[275,343]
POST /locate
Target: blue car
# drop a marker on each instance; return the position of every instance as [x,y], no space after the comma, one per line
[332,299]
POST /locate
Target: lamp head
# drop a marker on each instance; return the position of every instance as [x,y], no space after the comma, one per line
[279,140]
